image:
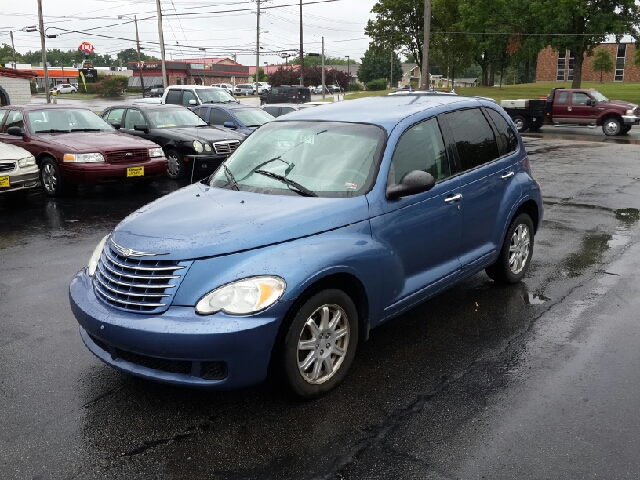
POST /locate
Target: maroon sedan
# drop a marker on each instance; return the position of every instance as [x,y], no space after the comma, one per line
[74,146]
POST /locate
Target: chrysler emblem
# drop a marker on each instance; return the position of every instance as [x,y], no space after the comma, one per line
[127,252]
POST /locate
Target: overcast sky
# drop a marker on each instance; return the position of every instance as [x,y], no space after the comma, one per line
[341,22]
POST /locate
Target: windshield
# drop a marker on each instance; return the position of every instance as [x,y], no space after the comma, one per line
[59,120]
[330,159]
[253,117]
[174,117]
[213,95]
[598,96]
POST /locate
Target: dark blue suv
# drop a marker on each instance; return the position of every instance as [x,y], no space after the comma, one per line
[323,224]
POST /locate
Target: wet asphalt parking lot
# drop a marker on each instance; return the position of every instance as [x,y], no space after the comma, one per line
[535,380]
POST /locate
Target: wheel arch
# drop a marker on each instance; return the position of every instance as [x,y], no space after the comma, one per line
[530,207]
[42,155]
[607,115]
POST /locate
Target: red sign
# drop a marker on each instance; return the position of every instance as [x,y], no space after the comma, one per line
[86,48]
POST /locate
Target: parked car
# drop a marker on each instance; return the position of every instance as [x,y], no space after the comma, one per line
[286,94]
[156,92]
[322,225]
[190,95]
[244,119]
[579,107]
[277,110]
[318,90]
[64,88]
[245,89]
[74,146]
[18,169]
[227,87]
[189,144]
[262,87]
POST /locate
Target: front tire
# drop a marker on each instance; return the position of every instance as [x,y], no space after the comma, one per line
[611,127]
[51,177]
[515,256]
[320,343]
[175,165]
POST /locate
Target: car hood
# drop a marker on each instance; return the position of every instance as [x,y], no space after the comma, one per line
[622,104]
[203,133]
[95,141]
[200,221]
[12,152]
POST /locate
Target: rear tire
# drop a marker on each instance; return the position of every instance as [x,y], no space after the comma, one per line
[320,343]
[520,123]
[516,252]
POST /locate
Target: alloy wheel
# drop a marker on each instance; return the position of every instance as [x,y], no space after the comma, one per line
[49,178]
[173,165]
[612,127]
[519,249]
[323,344]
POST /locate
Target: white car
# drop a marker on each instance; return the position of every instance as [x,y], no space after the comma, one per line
[64,88]
[263,87]
[245,89]
[18,169]
[225,86]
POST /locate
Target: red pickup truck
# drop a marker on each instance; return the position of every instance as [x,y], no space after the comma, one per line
[566,106]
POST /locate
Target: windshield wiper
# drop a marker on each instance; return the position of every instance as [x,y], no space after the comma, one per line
[299,188]
[86,130]
[230,178]
[53,130]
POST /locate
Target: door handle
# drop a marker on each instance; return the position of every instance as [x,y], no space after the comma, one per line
[455,198]
[507,175]
[569,108]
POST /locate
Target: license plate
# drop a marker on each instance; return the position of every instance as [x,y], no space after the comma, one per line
[135,171]
[4,182]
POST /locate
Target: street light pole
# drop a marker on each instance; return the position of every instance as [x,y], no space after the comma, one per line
[424,75]
[256,77]
[301,52]
[323,81]
[135,19]
[44,52]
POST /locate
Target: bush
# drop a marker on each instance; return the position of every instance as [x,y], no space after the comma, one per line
[112,86]
[33,86]
[354,87]
[91,87]
[379,84]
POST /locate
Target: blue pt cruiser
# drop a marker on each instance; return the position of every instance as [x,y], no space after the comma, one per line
[322,225]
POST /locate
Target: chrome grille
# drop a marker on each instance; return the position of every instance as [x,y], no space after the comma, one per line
[226,147]
[138,285]
[7,166]
[132,155]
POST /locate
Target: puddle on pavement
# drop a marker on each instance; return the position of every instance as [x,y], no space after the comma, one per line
[591,251]
[628,216]
[537,299]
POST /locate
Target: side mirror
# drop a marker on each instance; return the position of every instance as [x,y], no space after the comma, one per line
[16,131]
[141,128]
[412,183]
[192,102]
[116,125]
[229,125]
[592,103]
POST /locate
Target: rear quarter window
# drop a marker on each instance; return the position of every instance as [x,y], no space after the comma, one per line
[473,136]
[507,139]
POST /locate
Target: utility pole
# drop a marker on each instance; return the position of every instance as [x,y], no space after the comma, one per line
[257,75]
[323,82]
[165,81]
[135,19]
[348,72]
[301,52]
[424,75]
[44,52]
[14,51]
[391,72]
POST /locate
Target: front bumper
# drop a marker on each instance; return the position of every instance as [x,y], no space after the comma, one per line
[94,173]
[177,346]
[631,119]
[21,179]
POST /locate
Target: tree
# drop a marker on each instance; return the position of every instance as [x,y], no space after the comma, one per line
[602,62]
[585,24]
[6,54]
[131,55]
[399,25]
[376,64]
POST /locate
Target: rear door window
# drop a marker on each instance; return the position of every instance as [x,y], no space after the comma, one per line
[174,97]
[507,140]
[562,98]
[134,117]
[188,95]
[473,137]
[115,116]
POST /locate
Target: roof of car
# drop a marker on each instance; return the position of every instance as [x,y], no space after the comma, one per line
[44,106]
[385,111]
[145,106]
[190,87]
[295,106]
[230,106]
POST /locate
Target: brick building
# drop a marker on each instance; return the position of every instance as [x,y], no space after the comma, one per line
[558,67]
[190,71]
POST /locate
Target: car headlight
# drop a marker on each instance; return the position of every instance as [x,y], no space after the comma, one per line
[197,146]
[207,147]
[243,297]
[26,162]
[95,256]
[83,157]
[631,112]
[156,152]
